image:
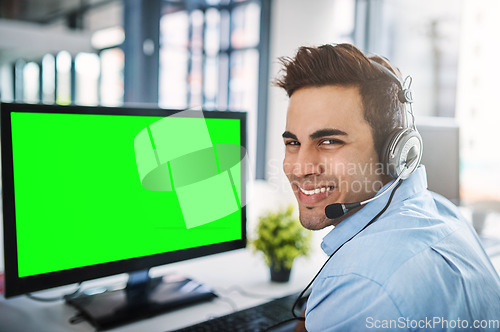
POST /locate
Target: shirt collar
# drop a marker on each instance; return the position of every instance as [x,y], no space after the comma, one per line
[350,226]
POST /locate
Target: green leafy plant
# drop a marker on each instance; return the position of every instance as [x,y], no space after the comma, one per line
[281,238]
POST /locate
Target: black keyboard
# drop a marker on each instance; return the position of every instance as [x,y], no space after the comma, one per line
[254,319]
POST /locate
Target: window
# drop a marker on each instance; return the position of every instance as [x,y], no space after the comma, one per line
[48,79]
[209,58]
[111,84]
[477,110]
[86,79]
[63,78]
[31,82]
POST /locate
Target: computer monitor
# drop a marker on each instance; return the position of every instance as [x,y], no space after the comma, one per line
[441,155]
[90,192]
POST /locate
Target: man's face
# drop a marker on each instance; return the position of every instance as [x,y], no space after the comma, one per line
[330,155]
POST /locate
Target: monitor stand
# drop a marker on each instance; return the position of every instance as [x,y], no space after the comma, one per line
[143,297]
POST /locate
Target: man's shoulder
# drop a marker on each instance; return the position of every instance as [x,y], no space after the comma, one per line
[419,259]
[401,240]
[410,246]
[415,269]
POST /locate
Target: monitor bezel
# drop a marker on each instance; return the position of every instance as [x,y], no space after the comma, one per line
[15,285]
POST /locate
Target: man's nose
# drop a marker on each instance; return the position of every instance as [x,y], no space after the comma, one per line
[307,164]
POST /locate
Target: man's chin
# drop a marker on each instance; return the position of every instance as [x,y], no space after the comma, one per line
[313,218]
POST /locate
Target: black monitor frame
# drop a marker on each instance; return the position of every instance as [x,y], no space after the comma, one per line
[17,286]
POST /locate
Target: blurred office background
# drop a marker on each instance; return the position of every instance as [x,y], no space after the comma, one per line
[221,54]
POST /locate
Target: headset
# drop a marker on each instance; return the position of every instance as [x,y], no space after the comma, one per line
[402,150]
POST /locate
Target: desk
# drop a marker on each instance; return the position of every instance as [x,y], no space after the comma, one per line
[222,272]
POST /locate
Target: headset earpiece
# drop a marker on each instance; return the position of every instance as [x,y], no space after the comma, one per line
[402,152]
[403,148]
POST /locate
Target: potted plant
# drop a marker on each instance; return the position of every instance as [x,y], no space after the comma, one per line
[281,238]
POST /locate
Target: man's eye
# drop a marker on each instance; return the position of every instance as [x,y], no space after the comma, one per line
[331,142]
[292,143]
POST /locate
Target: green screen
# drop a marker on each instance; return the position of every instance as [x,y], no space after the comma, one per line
[80,201]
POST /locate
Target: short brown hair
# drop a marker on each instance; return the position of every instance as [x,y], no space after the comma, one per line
[346,65]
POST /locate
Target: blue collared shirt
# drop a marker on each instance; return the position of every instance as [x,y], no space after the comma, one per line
[419,266]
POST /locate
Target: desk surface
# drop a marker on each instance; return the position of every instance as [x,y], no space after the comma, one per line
[227,274]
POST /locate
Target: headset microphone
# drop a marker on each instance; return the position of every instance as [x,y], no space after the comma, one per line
[336,210]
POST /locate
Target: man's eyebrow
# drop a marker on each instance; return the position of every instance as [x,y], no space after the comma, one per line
[327,132]
[288,134]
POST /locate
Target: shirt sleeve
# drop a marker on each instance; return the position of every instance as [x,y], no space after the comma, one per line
[351,303]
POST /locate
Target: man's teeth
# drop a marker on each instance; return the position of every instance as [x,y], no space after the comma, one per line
[315,191]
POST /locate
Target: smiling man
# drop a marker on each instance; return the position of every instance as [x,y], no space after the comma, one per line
[323,158]
[404,261]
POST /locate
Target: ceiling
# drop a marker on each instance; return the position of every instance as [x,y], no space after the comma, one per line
[32,28]
[45,11]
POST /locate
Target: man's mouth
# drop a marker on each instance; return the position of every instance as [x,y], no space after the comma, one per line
[311,196]
[316,190]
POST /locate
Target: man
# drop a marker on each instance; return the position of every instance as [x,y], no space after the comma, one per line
[404,261]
